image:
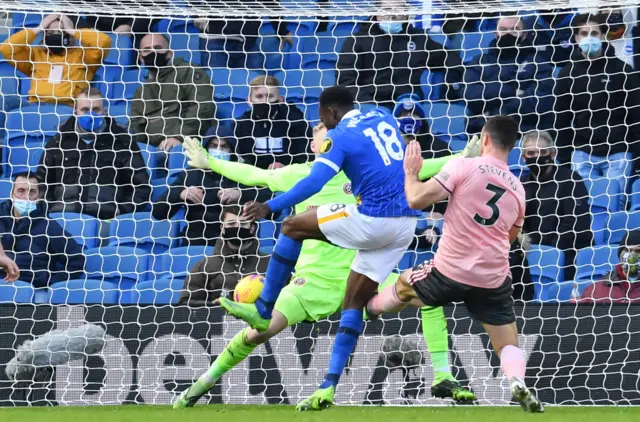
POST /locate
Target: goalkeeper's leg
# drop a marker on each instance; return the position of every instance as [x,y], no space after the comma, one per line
[288,311]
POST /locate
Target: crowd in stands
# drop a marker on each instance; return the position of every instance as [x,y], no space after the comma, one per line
[564,76]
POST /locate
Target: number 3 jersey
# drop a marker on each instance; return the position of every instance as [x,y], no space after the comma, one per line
[485,201]
[370,150]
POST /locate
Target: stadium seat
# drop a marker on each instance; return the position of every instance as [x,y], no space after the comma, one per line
[635,196]
[620,223]
[232,83]
[6,186]
[306,84]
[119,84]
[472,44]
[412,258]
[162,291]
[85,229]
[121,265]
[20,21]
[593,263]
[604,198]
[9,87]
[321,51]
[122,52]
[143,231]
[177,262]
[546,265]
[268,232]
[183,38]
[447,120]
[86,291]
[561,292]
[16,292]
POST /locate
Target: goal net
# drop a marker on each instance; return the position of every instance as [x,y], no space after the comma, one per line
[109,225]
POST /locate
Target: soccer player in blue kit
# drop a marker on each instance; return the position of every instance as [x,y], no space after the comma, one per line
[370,150]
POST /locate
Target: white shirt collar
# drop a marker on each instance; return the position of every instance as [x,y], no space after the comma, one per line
[352,113]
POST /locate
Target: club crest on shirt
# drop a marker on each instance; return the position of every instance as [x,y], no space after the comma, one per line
[299,281]
[444,176]
[326,146]
[346,188]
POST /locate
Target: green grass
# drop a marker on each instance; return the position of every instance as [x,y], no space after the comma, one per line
[221,413]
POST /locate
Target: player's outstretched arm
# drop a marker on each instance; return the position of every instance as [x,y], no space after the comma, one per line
[431,167]
[320,174]
[238,172]
[419,195]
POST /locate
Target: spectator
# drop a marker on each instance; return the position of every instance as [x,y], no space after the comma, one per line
[202,193]
[64,64]
[41,249]
[510,78]
[176,99]
[597,108]
[552,34]
[134,26]
[622,284]
[412,119]
[272,133]
[91,166]
[557,211]
[235,256]
[387,57]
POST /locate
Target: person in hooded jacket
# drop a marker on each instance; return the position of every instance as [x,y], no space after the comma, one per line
[511,78]
[63,65]
[597,108]
[272,134]
[91,166]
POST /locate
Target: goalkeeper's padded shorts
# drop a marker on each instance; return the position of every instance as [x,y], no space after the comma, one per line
[489,306]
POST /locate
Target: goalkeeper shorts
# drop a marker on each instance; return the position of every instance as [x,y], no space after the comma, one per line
[489,306]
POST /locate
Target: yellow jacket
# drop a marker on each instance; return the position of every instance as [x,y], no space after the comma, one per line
[77,67]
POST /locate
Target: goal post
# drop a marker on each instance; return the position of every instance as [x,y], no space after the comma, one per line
[140,223]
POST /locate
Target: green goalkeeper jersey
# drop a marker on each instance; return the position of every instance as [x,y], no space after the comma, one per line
[316,257]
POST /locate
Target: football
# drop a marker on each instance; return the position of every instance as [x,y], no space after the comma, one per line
[248,289]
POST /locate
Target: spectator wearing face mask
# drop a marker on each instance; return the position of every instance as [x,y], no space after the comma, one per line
[203,193]
[91,166]
[510,78]
[235,256]
[40,248]
[63,65]
[622,285]
[597,108]
[386,59]
[272,133]
[175,100]
[412,120]
[557,212]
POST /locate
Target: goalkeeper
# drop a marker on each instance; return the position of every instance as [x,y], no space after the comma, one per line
[318,286]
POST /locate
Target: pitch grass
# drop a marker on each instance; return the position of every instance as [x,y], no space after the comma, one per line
[222,413]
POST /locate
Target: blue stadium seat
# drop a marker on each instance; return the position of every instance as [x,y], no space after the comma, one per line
[412,258]
[593,263]
[620,223]
[162,291]
[447,120]
[268,232]
[561,292]
[16,292]
[306,84]
[143,231]
[122,52]
[121,265]
[9,86]
[177,262]
[119,84]
[176,159]
[232,83]
[86,291]
[472,44]
[20,21]
[515,156]
[604,198]
[39,119]
[322,50]
[635,196]
[160,185]
[183,38]
[85,229]
[6,186]
[546,265]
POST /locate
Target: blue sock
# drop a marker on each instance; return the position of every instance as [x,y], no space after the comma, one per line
[283,260]
[348,332]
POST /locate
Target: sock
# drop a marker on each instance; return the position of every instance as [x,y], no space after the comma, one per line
[513,362]
[386,301]
[348,332]
[281,265]
[235,352]
[436,335]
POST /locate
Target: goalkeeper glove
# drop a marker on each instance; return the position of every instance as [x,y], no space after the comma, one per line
[197,156]
[472,149]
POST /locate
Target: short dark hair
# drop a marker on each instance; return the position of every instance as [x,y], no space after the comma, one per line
[502,131]
[338,97]
[585,18]
[27,175]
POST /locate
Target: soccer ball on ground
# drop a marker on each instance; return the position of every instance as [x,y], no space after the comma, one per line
[248,289]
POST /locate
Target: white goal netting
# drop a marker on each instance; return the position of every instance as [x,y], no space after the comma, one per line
[108,224]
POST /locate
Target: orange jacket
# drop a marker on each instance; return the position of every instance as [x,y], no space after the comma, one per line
[78,65]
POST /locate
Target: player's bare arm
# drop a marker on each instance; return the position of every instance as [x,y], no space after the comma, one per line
[420,195]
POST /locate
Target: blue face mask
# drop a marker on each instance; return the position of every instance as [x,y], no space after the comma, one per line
[409,125]
[390,27]
[591,46]
[24,206]
[91,122]
[220,155]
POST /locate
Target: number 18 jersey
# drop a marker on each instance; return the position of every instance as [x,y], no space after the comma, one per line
[369,149]
[485,201]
